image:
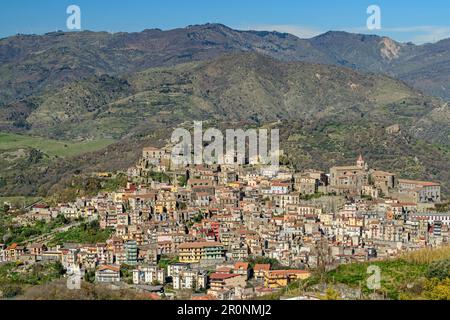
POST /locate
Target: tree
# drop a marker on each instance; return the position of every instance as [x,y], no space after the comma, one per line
[59,268]
[94,225]
[182,181]
[438,290]
[61,219]
[2,182]
[89,276]
[332,294]
[155,282]
[10,291]
[324,258]
[34,157]
[439,269]
[182,205]
[6,237]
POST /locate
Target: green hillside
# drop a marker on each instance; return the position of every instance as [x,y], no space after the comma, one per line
[50,147]
[327,115]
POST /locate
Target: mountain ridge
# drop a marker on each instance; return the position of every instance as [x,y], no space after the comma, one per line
[40,62]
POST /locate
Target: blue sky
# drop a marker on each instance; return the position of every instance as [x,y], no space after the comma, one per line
[403,20]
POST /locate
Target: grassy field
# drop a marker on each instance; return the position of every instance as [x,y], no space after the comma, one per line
[51,147]
[85,233]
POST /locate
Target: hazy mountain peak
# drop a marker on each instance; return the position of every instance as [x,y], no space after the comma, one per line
[210,26]
[333,33]
[347,36]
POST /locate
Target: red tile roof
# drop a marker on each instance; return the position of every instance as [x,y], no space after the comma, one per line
[204,297]
[112,268]
[189,245]
[12,246]
[287,272]
[241,265]
[222,276]
[264,267]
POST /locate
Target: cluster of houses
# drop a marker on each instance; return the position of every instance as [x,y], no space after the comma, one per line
[213,219]
[226,281]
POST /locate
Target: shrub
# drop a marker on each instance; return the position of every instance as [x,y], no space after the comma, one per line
[10,291]
[439,269]
[438,290]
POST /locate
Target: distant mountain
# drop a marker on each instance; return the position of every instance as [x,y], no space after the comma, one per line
[32,64]
[425,67]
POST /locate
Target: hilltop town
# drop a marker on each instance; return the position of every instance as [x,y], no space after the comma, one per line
[231,231]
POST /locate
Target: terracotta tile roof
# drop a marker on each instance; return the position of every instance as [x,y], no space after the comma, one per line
[189,245]
[287,272]
[222,276]
[112,268]
[223,270]
[241,265]
[40,206]
[12,246]
[264,267]
[204,297]
[152,296]
[151,149]
[421,183]
[36,245]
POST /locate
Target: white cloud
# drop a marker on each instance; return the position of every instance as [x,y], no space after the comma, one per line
[423,34]
[299,31]
[416,34]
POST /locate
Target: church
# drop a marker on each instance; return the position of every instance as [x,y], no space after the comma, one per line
[349,180]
